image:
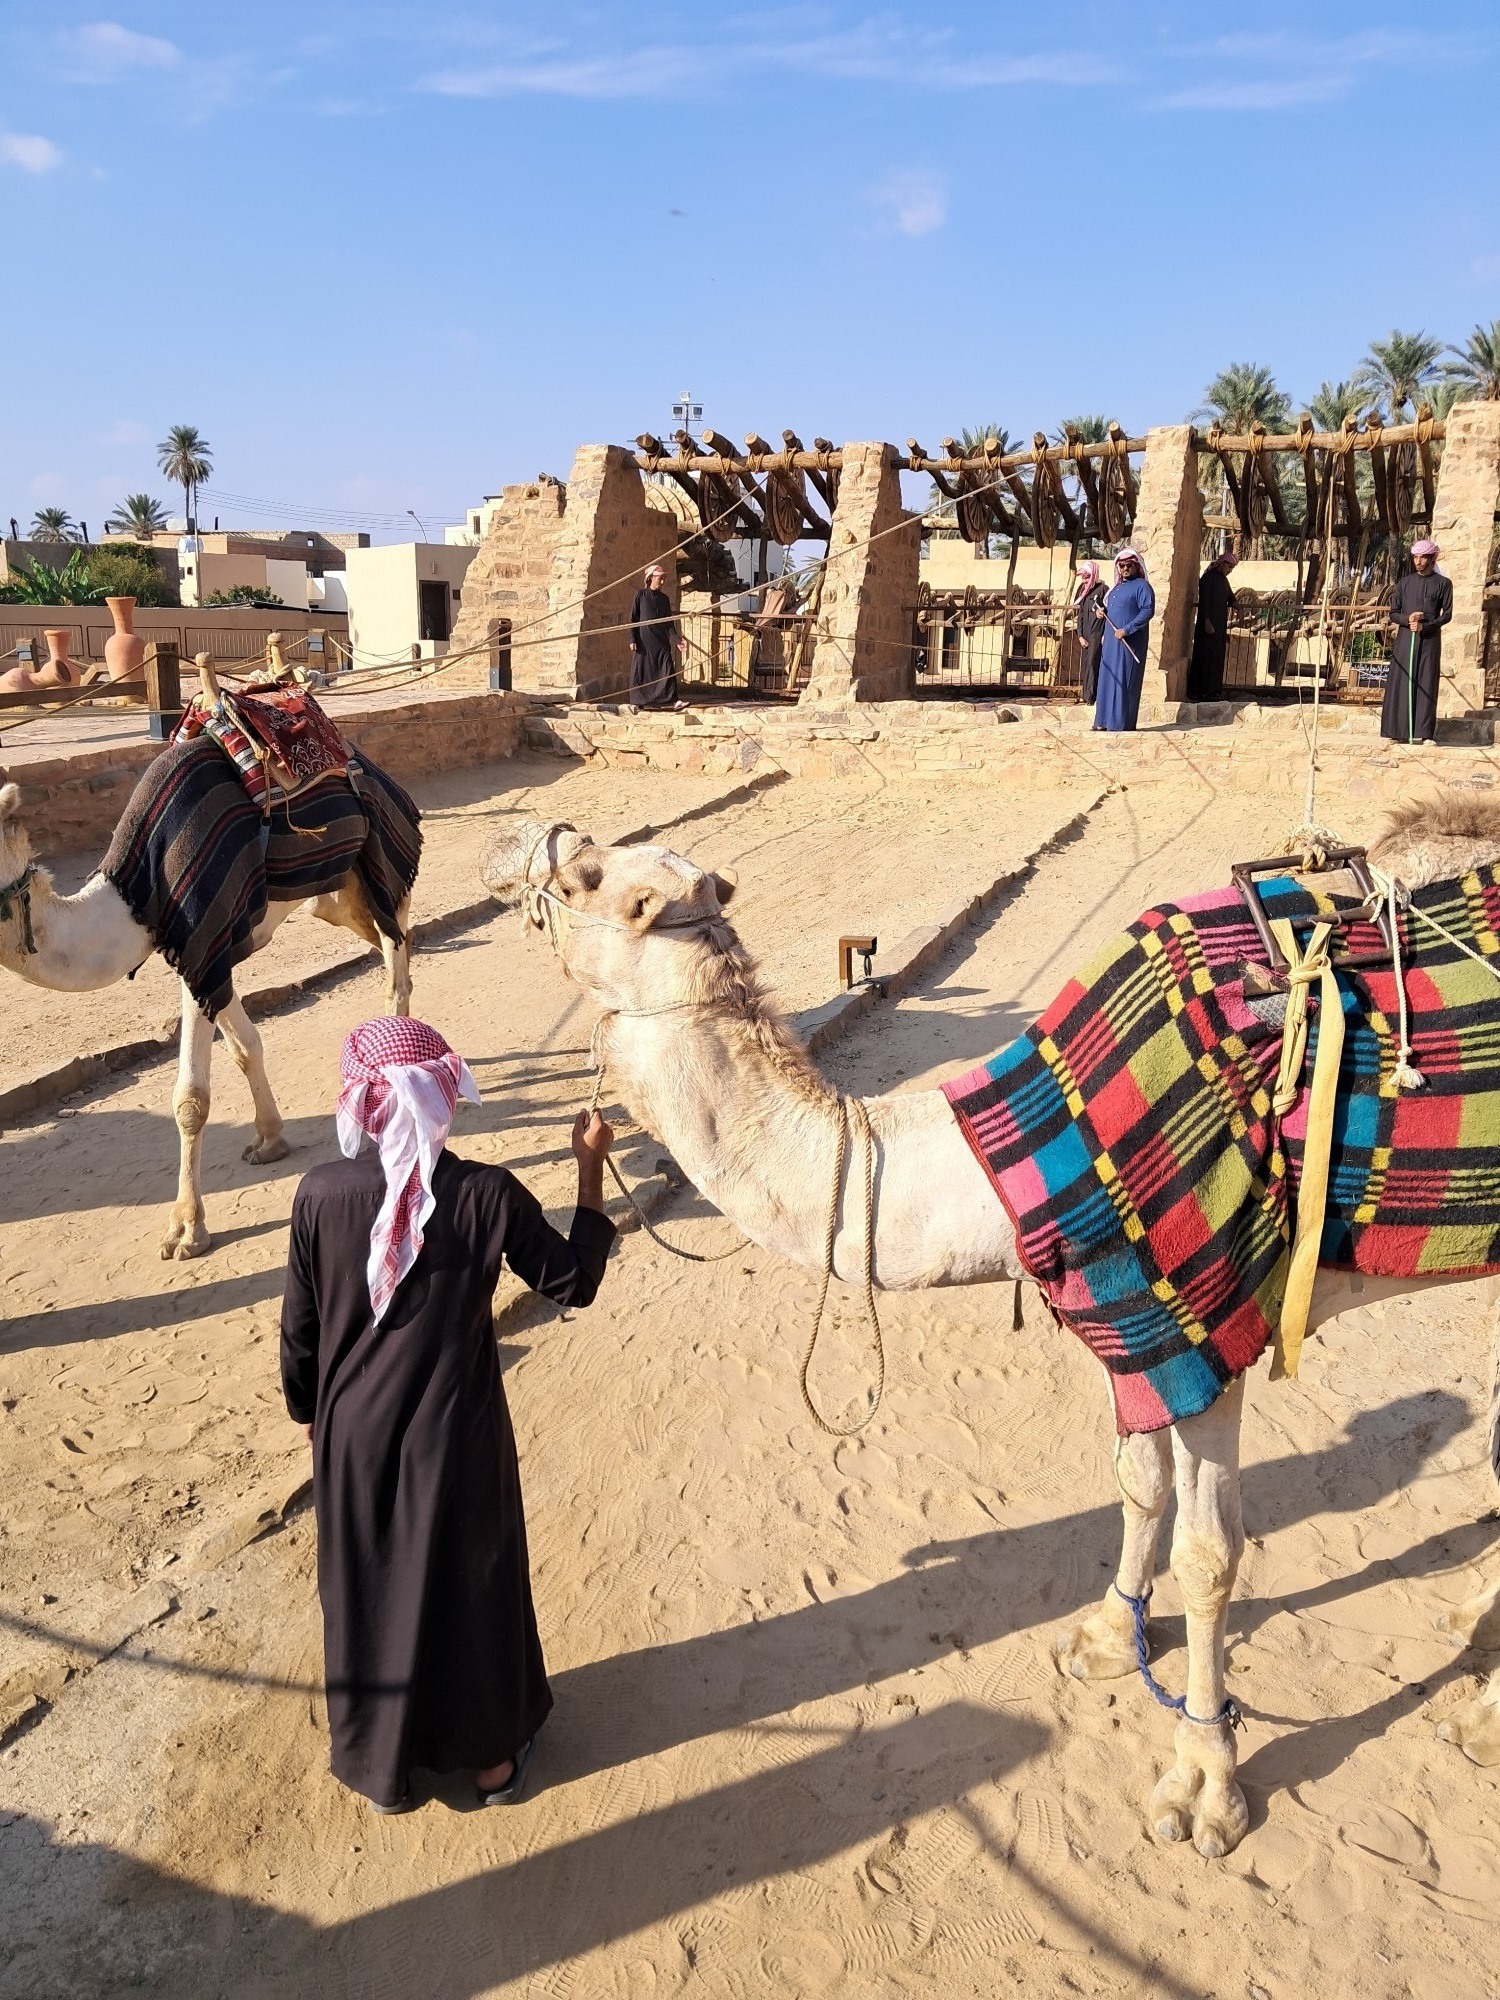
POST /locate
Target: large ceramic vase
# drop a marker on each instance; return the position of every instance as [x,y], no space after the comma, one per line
[124,649]
[59,670]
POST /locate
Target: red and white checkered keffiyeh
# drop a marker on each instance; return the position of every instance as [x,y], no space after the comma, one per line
[402,1083]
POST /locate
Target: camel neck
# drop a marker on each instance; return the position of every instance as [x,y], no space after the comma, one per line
[78,943]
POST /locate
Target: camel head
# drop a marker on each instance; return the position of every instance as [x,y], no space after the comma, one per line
[631,925]
[15,841]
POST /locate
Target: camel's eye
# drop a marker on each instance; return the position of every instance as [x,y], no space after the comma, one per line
[567,889]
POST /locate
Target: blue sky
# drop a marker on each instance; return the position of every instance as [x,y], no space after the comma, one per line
[391,257]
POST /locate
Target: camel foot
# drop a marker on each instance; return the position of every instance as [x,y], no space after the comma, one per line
[1102,1648]
[262,1152]
[1475,1727]
[1476,1621]
[186,1236]
[1198,1799]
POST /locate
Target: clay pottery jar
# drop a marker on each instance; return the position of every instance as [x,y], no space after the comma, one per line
[124,649]
[16,680]
[59,670]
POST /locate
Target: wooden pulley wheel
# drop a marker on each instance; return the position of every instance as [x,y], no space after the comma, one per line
[1252,507]
[974,516]
[781,503]
[716,508]
[1044,509]
[924,605]
[1402,473]
[968,615]
[1115,515]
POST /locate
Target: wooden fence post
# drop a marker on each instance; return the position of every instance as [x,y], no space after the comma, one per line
[163,671]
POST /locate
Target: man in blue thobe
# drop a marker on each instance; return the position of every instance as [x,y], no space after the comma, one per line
[1122,659]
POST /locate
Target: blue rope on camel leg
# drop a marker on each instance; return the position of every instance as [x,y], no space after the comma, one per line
[1229,1713]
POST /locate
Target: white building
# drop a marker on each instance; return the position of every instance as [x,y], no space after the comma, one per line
[403,599]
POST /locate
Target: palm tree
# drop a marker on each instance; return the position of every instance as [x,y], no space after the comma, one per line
[1476,372]
[1243,394]
[1091,430]
[53,524]
[186,457]
[137,515]
[1443,395]
[1396,368]
[1333,402]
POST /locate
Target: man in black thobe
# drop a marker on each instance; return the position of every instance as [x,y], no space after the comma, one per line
[1421,605]
[431,1653]
[654,645]
[1205,680]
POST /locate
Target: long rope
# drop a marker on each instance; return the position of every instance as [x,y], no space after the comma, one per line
[848,1106]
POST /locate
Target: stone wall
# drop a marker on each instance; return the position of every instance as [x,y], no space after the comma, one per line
[71,804]
[562,563]
[1021,749]
[1169,536]
[510,578]
[1463,526]
[864,647]
[611,532]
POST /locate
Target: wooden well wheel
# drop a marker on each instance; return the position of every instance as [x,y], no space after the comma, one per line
[716,507]
[1116,500]
[1045,513]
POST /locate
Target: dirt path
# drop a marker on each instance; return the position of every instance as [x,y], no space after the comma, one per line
[808,1738]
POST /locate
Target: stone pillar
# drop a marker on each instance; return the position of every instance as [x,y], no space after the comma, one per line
[864,648]
[609,536]
[510,578]
[1169,536]
[1463,526]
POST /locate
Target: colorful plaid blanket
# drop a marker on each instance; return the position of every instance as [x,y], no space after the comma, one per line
[197,861]
[1129,1133]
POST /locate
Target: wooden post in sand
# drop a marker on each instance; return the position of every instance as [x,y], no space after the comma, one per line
[163,670]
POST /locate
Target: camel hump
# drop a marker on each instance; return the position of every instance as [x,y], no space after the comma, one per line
[1439,838]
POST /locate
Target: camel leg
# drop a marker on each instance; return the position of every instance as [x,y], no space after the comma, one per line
[186,1234]
[1475,1725]
[1198,1797]
[398,966]
[1103,1647]
[243,1037]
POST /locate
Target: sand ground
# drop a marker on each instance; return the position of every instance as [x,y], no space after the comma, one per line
[808,1735]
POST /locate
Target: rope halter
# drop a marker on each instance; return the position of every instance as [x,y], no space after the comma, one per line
[17,896]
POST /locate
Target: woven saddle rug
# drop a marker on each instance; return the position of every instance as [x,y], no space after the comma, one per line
[1130,1135]
[197,860]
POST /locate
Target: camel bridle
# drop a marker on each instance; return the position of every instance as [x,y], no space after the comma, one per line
[16,896]
[538,907]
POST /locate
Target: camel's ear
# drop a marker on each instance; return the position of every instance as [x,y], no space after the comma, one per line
[725,883]
[10,801]
[643,909]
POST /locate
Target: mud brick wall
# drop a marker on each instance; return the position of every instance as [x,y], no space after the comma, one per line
[510,576]
[865,629]
[1463,526]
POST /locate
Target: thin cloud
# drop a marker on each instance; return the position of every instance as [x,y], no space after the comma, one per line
[648,72]
[30,152]
[912,201]
[870,51]
[1284,72]
[102,50]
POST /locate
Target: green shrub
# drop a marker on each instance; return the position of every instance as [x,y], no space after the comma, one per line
[246,593]
[125,569]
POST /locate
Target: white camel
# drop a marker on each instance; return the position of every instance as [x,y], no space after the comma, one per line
[76,944]
[701,1059]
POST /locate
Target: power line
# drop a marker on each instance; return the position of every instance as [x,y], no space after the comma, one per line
[331,516]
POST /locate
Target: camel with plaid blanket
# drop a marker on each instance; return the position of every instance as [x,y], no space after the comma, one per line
[694,1048]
